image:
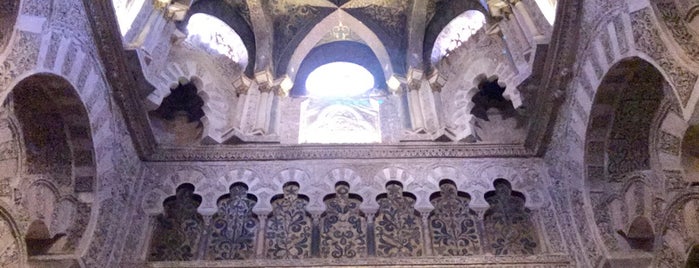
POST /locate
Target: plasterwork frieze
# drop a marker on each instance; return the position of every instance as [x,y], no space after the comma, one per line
[647,38]
[671,17]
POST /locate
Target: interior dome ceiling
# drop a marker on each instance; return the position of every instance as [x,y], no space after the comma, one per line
[279,35]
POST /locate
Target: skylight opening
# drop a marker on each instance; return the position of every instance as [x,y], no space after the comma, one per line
[457,32]
[548,7]
[126,12]
[339,79]
[209,32]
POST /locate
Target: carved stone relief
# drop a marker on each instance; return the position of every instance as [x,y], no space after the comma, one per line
[507,223]
[453,225]
[288,232]
[234,226]
[343,226]
[647,37]
[179,229]
[398,228]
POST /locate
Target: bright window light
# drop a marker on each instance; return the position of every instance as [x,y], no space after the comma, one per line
[339,79]
[458,31]
[208,32]
[126,12]
[548,7]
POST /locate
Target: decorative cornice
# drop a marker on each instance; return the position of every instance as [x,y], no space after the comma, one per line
[442,261]
[259,152]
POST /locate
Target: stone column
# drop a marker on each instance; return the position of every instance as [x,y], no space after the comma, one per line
[426,233]
[370,239]
[260,243]
[315,236]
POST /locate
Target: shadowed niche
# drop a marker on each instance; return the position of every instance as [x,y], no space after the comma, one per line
[182,98]
[490,96]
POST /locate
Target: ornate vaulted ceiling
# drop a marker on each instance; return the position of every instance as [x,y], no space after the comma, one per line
[278,34]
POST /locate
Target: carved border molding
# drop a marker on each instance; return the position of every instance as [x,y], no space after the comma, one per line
[298,152]
[499,261]
[124,81]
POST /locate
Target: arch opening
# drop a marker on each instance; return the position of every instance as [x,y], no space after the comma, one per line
[209,33]
[178,119]
[456,33]
[619,151]
[59,160]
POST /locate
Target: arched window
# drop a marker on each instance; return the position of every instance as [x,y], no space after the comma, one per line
[339,79]
[340,108]
[548,7]
[209,33]
[458,31]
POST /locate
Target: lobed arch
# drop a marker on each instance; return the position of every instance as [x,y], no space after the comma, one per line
[292,63]
[213,96]
[234,15]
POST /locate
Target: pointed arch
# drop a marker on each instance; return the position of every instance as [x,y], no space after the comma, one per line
[292,64]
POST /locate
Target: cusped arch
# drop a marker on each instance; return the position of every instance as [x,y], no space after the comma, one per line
[292,64]
[153,200]
[214,106]
[306,187]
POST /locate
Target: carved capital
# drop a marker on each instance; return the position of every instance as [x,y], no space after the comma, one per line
[437,81]
[242,84]
[283,86]
[414,78]
[161,4]
[501,8]
[265,81]
[396,84]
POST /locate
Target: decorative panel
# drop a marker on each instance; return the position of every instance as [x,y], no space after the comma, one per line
[507,222]
[233,226]
[453,225]
[343,227]
[289,227]
[398,229]
[179,229]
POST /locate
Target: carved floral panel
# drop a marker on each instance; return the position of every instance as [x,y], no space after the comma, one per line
[398,229]
[289,227]
[453,225]
[233,227]
[343,227]
[507,222]
[179,230]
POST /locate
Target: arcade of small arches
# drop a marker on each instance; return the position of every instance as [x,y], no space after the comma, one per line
[320,133]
